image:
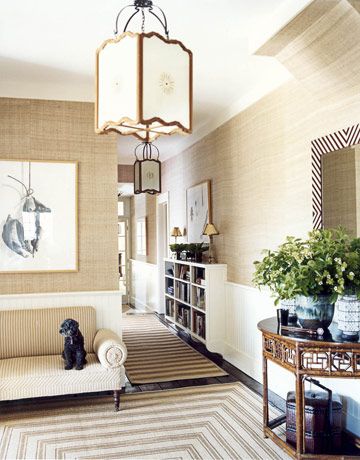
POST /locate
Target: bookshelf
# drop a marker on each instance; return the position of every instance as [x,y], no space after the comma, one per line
[195,300]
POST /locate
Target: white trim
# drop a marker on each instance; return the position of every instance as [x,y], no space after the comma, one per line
[142,262]
[61,294]
[163,198]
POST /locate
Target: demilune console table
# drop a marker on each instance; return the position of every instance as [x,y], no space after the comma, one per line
[327,356]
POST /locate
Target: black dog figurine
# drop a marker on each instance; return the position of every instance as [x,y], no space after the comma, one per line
[74,351]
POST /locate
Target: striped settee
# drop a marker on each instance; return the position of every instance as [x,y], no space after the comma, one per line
[30,355]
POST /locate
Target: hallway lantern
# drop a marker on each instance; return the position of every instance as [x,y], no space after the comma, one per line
[147,170]
[143,81]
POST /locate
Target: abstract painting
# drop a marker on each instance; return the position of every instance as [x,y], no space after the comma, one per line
[38,216]
[198,211]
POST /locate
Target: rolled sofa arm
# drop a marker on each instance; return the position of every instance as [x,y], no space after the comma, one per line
[109,348]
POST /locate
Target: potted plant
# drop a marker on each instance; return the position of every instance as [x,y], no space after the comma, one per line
[315,270]
[348,305]
[177,249]
[273,271]
[195,251]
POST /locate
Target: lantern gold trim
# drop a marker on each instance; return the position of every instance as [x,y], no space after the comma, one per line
[145,124]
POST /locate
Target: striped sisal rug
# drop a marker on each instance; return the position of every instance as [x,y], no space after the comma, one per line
[203,423]
[156,355]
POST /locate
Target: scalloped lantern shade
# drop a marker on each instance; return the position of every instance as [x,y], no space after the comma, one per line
[144,86]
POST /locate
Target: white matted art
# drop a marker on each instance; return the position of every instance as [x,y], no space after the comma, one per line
[198,211]
[38,216]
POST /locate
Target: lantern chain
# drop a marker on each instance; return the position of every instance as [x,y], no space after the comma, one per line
[142,4]
[143,21]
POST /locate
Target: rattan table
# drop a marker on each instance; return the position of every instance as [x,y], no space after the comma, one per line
[326,356]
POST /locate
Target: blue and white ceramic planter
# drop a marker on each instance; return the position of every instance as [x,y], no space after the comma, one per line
[315,313]
[348,315]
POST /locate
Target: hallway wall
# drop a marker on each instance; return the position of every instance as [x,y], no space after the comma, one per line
[259,164]
[58,130]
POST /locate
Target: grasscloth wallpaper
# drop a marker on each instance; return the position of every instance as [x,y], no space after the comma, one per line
[259,164]
[53,130]
[260,161]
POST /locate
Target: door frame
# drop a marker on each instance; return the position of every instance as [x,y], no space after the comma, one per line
[162,243]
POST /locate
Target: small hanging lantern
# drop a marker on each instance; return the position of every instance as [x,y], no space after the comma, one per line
[143,81]
[147,170]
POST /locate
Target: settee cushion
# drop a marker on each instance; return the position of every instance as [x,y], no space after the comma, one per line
[39,376]
[36,332]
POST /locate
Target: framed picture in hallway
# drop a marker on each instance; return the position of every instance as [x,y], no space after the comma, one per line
[38,216]
[198,211]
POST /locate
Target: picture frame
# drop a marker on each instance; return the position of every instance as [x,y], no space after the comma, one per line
[198,211]
[38,216]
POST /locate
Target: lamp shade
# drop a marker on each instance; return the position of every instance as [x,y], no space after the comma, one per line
[176,232]
[210,230]
[143,86]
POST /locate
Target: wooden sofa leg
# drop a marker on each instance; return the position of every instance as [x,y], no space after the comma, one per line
[117,400]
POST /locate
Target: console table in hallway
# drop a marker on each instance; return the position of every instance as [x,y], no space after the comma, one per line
[328,356]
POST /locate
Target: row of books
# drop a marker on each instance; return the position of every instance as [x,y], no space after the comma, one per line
[184,273]
[200,298]
[183,316]
[199,325]
[184,292]
[169,307]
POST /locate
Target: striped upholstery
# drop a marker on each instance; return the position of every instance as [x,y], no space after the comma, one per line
[45,376]
[109,348]
[36,332]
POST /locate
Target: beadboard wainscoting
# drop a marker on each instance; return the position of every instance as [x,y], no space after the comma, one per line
[144,291]
[244,308]
[106,303]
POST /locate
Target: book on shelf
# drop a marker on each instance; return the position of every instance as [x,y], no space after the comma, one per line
[184,292]
[170,309]
[200,298]
[184,273]
[200,325]
[170,290]
[183,316]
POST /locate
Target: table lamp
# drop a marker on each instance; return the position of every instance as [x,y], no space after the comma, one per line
[210,230]
[176,232]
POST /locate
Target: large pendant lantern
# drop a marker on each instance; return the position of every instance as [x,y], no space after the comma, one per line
[147,170]
[144,81]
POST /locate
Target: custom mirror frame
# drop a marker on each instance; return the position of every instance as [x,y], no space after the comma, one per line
[319,147]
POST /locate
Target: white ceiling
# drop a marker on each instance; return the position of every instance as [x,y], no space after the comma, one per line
[47,51]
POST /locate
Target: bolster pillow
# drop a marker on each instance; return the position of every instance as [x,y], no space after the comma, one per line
[109,348]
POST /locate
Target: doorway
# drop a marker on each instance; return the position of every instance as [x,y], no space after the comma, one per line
[162,245]
[124,247]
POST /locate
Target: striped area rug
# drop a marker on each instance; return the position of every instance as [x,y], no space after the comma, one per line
[156,355]
[204,423]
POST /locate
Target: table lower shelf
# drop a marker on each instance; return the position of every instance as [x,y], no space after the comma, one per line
[291,450]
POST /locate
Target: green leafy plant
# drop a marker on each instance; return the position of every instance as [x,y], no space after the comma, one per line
[197,248]
[177,247]
[327,263]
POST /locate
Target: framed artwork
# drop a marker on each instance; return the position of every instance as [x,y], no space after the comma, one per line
[141,236]
[38,216]
[198,211]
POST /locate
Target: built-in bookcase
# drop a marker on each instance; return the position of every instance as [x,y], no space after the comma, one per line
[195,300]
